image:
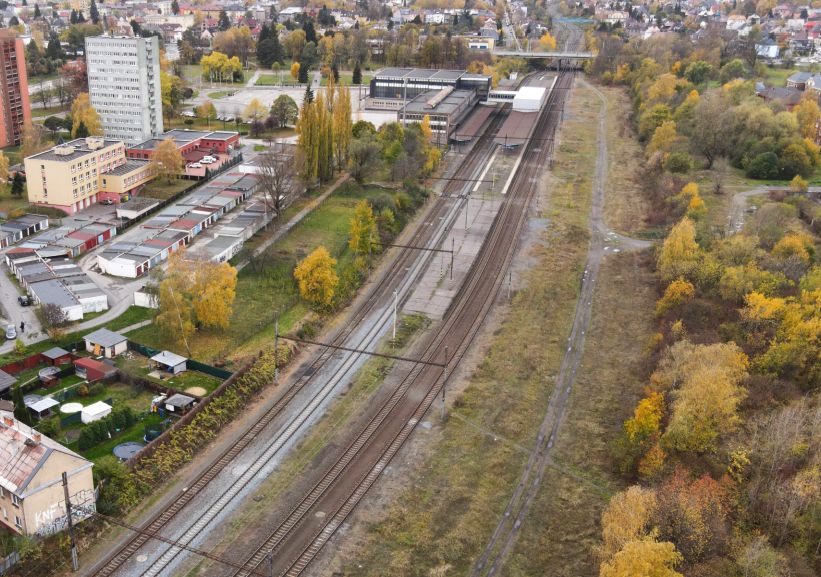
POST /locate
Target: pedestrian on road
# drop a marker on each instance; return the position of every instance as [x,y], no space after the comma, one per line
[22,326]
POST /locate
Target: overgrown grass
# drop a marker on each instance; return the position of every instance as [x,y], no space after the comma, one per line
[456,495]
[266,287]
[163,189]
[625,155]
[563,524]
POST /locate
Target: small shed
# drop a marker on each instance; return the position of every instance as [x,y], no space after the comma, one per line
[42,408]
[95,412]
[106,343]
[6,408]
[92,370]
[169,362]
[57,356]
[179,403]
[6,381]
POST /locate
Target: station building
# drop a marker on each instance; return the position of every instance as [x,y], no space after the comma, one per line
[391,88]
[445,108]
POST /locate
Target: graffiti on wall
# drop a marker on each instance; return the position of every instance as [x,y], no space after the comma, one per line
[54,519]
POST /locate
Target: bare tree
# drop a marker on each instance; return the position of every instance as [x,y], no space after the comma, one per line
[53,318]
[278,177]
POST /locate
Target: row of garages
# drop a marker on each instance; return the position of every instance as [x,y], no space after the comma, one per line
[176,226]
[57,281]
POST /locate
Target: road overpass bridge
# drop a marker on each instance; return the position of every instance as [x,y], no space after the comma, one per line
[554,55]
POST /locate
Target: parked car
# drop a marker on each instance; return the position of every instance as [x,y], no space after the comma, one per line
[11,332]
[107,201]
[195,165]
[24,300]
[208,160]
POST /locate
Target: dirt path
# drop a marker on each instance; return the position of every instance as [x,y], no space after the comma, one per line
[602,242]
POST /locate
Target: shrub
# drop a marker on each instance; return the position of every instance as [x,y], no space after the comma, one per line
[50,427]
[82,390]
[763,167]
[678,163]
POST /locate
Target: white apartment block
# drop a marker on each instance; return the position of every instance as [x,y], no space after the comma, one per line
[124,86]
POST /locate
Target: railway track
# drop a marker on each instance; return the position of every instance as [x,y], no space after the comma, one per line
[295,542]
[381,295]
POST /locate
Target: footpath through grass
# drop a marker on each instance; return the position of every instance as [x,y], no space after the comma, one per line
[457,494]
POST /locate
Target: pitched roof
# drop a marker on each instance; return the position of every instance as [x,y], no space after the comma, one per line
[21,457]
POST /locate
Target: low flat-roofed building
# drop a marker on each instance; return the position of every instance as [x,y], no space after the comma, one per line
[54,292]
[188,141]
[105,342]
[445,109]
[391,87]
[123,182]
[135,207]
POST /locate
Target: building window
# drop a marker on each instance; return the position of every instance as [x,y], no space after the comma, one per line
[15,500]
[18,521]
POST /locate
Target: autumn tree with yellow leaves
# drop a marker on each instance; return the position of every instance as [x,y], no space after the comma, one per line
[363,234]
[167,160]
[680,254]
[84,119]
[547,41]
[317,279]
[194,294]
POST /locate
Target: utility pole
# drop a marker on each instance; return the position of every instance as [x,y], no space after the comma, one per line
[276,349]
[271,563]
[444,382]
[452,248]
[75,565]
[395,301]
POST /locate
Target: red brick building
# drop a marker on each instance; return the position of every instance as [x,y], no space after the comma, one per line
[15,109]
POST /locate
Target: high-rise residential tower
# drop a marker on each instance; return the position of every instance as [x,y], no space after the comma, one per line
[124,86]
[15,110]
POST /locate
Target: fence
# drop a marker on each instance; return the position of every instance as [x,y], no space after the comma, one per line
[208,369]
[152,447]
[9,561]
[190,363]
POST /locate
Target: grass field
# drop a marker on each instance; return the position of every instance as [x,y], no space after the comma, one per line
[163,190]
[266,288]
[217,94]
[446,514]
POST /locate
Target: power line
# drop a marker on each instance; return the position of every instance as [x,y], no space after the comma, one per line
[364,352]
[167,541]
